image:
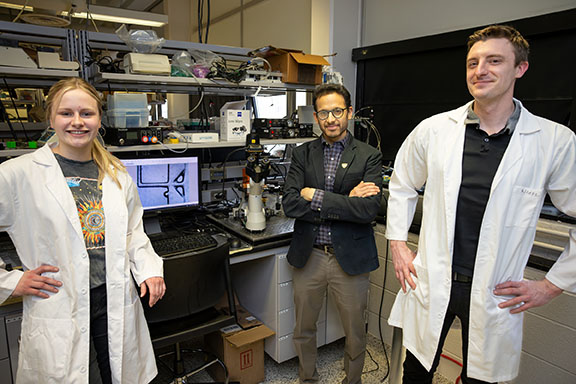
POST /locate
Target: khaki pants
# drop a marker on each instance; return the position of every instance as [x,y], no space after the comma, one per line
[350,293]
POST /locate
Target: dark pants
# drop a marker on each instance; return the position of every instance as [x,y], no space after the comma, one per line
[99,337]
[459,305]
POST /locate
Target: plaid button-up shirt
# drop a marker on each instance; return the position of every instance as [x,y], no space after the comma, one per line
[332,157]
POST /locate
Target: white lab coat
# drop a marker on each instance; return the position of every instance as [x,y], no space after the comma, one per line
[541,157]
[39,213]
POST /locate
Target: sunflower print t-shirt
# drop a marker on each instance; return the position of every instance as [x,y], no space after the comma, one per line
[82,178]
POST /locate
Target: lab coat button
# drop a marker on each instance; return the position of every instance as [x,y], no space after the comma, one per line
[84,255]
[83,369]
[83,291]
[83,329]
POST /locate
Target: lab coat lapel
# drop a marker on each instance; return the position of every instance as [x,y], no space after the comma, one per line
[515,149]
[454,144]
[56,185]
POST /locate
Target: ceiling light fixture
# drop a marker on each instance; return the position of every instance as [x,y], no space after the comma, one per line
[109,14]
[16,6]
[122,16]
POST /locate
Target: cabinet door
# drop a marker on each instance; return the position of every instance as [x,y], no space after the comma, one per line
[3,342]
[5,375]
[13,326]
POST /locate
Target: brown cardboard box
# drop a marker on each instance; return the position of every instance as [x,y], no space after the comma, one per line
[241,351]
[297,67]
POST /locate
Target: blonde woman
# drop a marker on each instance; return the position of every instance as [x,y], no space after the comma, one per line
[75,218]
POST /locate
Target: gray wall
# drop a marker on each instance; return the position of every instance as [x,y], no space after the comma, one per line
[393,20]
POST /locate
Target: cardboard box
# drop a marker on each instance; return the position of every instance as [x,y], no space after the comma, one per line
[297,67]
[242,352]
[234,121]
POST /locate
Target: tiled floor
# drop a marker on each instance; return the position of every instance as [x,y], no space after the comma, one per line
[330,367]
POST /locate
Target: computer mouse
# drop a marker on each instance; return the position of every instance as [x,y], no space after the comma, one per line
[234,243]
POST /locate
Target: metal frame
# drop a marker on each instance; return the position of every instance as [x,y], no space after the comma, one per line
[142,83]
[37,77]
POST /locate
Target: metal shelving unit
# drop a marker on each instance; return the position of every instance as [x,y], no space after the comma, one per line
[164,147]
[76,45]
[130,82]
[172,84]
[64,39]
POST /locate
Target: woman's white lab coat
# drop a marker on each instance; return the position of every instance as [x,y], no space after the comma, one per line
[39,213]
[540,159]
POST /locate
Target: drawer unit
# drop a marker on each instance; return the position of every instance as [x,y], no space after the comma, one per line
[285,295]
[284,269]
[264,287]
[283,347]
[286,318]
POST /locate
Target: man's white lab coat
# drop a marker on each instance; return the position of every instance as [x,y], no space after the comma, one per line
[540,159]
[39,213]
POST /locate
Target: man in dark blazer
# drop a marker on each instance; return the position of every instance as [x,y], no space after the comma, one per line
[333,191]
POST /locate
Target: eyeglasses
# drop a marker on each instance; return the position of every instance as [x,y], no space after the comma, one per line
[336,112]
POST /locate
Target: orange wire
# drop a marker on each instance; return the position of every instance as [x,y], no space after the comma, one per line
[455,362]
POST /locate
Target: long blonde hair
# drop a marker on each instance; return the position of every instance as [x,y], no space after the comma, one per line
[107,163]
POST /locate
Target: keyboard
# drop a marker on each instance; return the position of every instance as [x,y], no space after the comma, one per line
[176,243]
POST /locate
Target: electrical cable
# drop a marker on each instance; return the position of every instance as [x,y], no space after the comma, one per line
[174,150]
[223,165]
[380,313]
[455,362]
[16,110]
[374,361]
[207,21]
[4,115]
[200,21]
[21,11]
[275,166]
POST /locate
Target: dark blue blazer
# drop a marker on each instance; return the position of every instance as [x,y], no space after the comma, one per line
[351,217]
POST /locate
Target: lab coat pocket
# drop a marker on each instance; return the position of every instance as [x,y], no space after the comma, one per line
[524,207]
[422,283]
[500,320]
[46,346]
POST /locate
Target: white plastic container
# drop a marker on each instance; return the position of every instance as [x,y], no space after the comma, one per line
[128,117]
[127,101]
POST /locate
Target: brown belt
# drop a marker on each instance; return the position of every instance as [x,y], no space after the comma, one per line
[325,247]
[460,278]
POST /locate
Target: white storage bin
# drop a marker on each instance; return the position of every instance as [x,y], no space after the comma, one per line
[128,118]
[128,101]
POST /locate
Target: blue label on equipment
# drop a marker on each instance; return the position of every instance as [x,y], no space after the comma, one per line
[239,114]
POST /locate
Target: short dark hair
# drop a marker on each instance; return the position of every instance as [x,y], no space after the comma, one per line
[521,46]
[327,89]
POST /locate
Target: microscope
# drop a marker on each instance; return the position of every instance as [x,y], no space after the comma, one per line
[257,169]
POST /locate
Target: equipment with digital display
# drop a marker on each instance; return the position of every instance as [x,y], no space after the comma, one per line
[281,128]
[133,136]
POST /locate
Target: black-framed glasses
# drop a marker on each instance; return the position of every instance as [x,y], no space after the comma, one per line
[336,112]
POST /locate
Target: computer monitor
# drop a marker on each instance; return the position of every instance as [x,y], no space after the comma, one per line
[167,182]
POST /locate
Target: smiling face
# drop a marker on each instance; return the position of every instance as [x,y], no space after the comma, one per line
[334,129]
[76,120]
[491,71]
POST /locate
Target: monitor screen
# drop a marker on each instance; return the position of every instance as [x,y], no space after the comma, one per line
[169,182]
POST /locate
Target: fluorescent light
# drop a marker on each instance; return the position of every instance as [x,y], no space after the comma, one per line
[122,16]
[16,6]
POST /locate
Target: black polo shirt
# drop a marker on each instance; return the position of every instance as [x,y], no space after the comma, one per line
[481,158]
